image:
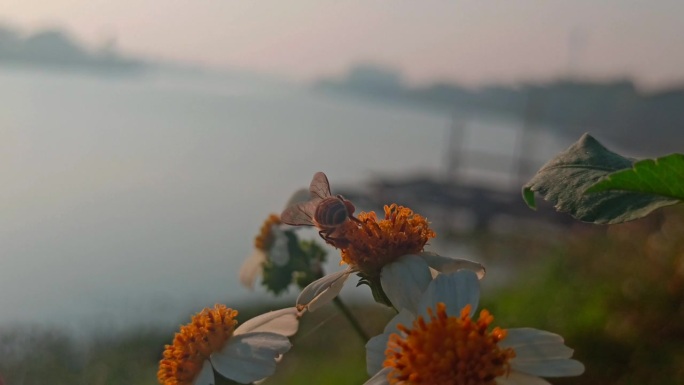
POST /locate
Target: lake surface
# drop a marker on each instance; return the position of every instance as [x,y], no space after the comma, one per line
[135,200]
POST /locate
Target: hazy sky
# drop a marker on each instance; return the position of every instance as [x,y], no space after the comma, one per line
[468,41]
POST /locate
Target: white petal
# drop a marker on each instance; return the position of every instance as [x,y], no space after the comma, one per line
[380,378]
[541,353]
[533,345]
[283,321]
[404,317]
[375,352]
[250,357]
[456,290]
[376,346]
[323,290]
[251,268]
[205,376]
[521,336]
[405,281]
[450,265]
[561,367]
[517,378]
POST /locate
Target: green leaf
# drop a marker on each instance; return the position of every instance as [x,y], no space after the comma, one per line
[276,278]
[313,256]
[528,196]
[564,179]
[662,176]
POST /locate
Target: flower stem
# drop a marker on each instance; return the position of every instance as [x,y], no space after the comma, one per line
[352,320]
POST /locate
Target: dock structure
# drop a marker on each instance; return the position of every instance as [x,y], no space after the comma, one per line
[459,207]
[456,202]
[520,162]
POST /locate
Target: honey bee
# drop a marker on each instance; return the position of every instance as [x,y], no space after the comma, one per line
[323,210]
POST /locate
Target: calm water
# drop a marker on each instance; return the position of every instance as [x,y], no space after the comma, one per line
[135,200]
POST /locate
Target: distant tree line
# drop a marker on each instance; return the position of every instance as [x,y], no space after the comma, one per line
[647,122]
[54,49]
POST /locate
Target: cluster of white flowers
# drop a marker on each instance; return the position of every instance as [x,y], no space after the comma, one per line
[433,339]
[437,314]
[211,343]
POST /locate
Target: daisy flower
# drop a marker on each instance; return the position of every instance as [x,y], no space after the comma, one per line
[269,245]
[436,340]
[281,259]
[375,246]
[212,343]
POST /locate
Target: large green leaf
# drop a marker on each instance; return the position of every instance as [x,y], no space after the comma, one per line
[564,179]
[662,176]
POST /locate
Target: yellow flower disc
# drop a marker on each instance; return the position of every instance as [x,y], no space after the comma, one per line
[448,351]
[207,332]
[373,243]
[264,239]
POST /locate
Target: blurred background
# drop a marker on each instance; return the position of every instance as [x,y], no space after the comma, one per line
[142,144]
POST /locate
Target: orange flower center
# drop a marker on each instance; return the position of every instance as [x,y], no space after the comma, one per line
[206,333]
[448,351]
[264,240]
[373,243]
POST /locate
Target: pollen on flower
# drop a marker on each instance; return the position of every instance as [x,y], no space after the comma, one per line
[374,243]
[264,239]
[448,351]
[206,333]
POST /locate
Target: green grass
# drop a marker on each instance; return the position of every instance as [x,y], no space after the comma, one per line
[616,294]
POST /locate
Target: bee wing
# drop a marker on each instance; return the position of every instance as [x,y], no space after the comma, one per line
[300,213]
[319,188]
[299,196]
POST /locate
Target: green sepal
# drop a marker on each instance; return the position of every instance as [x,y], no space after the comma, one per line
[303,266]
[314,257]
[376,288]
[276,278]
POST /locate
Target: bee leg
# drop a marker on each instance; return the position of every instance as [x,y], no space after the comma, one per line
[338,243]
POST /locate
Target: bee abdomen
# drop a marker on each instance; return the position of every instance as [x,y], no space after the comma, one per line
[331,212]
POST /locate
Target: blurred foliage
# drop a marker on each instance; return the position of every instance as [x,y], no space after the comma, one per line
[616,293]
[303,266]
[39,356]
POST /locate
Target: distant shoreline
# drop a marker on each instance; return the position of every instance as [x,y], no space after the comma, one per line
[618,110]
[56,50]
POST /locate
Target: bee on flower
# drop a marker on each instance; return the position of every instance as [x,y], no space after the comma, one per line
[369,246]
[326,212]
[436,340]
[211,343]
